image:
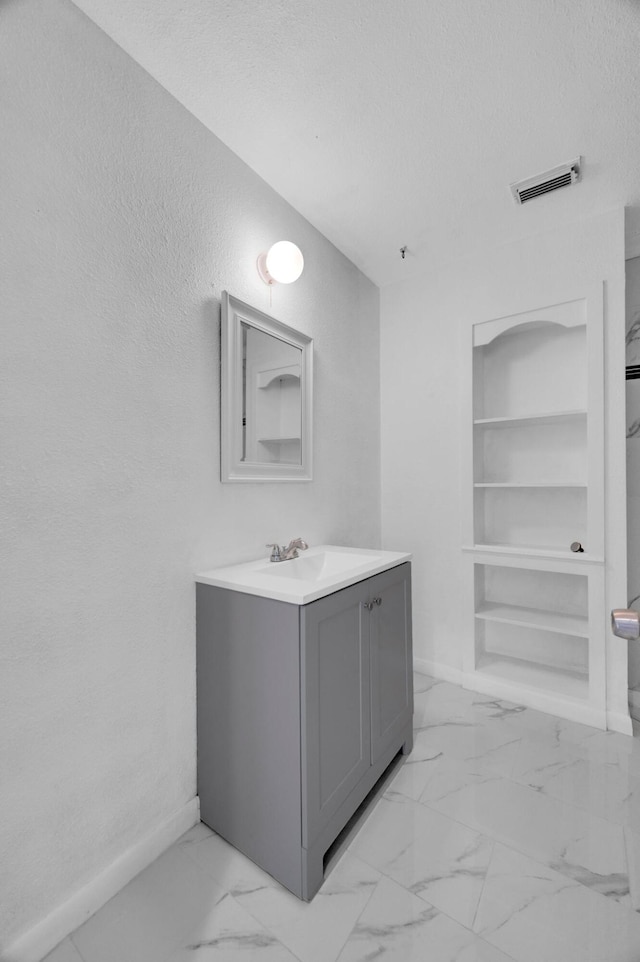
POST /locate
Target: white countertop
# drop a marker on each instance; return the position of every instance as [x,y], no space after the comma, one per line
[317,572]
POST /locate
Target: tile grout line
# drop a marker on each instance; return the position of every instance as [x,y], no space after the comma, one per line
[536,858]
[417,895]
[359,916]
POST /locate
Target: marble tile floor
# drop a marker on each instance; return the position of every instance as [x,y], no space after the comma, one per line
[506,836]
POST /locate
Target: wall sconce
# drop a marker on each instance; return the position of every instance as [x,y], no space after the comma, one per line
[282,263]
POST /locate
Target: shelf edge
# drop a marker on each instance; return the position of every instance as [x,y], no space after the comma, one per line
[575,557]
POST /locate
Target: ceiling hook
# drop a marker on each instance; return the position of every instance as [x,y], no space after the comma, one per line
[403,251]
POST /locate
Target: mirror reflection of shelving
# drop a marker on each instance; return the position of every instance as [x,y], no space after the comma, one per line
[272,399]
[278,422]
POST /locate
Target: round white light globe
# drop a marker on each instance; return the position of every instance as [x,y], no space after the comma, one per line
[284,262]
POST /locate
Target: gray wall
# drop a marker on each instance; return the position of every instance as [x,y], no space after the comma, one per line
[123,220]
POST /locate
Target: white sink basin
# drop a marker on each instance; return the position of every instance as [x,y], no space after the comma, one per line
[323,564]
[319,571]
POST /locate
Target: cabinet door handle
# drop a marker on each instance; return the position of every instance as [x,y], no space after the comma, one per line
[378,601]
[368,605]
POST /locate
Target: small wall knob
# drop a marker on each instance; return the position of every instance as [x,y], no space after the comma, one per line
[576,547]
[625,623]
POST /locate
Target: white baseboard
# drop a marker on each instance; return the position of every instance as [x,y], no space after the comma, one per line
[438,670]
[617,721]
[542,701]
[634,703]
[39,940]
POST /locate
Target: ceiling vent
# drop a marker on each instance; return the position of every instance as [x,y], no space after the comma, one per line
[554,179]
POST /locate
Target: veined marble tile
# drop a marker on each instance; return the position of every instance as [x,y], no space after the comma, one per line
[65,952]
[423,682]
[443,701]
[602,786]
[491,777]
[445,695]
[532,721]
[614,747]
[451,700]
[314,931]
[487,745]
[571,840]
[593,743]
[414,772]
[430,774]
[632,841]
[448,777]
[147,919]
[227,933]
[426,852]
[230,869]
[538,915]
[396,926]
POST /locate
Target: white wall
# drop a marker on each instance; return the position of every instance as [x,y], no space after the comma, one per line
[633,460]
[420,391]
[123,219]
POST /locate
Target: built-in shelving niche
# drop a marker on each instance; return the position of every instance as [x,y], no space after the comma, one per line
[533,626]
[531,517]
[534,469]
[533,367]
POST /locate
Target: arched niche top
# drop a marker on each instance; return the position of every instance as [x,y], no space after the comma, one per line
[292,372]
[569,314]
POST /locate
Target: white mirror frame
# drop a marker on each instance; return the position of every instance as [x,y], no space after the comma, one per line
[232,467]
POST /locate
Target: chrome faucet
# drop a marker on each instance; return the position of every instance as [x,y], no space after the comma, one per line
[291,551]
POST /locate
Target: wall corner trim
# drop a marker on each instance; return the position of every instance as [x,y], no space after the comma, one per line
[39,940]
[617,721]
[632,246]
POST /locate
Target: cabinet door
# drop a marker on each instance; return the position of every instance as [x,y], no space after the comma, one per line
[391,657]
[336,748]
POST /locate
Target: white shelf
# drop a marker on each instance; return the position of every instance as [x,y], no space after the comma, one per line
[547,417]
[535,551]
[525,674]
[535,618]
[530,484]
[277,440]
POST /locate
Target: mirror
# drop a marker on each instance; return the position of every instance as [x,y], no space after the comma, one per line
[266,397]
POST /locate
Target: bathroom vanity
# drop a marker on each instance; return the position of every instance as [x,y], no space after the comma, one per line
[305,696]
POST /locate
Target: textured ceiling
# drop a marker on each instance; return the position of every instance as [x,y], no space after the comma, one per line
[391,123]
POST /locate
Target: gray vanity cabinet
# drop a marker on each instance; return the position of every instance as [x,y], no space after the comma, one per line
[356,666]
[391,661]
[300,711]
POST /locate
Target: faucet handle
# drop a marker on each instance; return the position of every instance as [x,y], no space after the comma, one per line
[275,552]
[297,543]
